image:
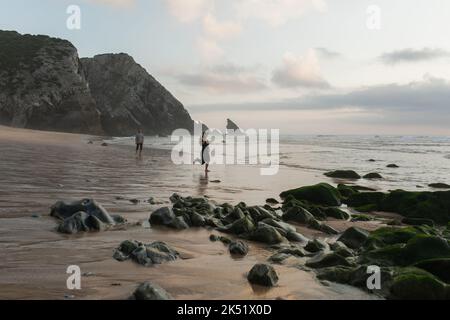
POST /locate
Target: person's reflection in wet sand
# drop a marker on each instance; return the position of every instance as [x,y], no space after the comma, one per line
[202,184]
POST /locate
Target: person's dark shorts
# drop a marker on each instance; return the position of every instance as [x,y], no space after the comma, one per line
[139,146]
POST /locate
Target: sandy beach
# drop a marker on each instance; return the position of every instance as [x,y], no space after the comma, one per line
[40,168]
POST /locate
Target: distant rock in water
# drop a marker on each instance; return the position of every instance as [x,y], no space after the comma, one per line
[43,87]
[439,185]
[392,165]
[373,175]
[130,98]
[343,174]
[231,125]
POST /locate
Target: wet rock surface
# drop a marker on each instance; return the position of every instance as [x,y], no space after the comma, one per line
[83,216]
[145,254]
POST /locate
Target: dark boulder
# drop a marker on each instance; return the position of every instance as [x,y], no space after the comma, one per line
[418,221]
[263,274]
[343,174]
[336,213]
[296,237]
[373,175]
[321,193]
[439,267]
[429,205]
[298,214]
[238,248]
[150,291]
[266,234]
[439,186]
[417,284]
[241,226]
[166,217]
[323,260]
[83,216]
[316,245]
[272,201]
[392,165]
[145,254]
[354,237]
[373,199]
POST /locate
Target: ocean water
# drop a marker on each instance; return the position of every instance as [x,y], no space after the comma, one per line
[421,159]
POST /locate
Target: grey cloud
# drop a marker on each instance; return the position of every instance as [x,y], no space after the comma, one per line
[413,55]
[226,78]
[327,54]
[223,84]
[232,69]
[422,102]
[284,79]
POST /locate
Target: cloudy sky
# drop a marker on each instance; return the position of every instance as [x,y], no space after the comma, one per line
[304,66]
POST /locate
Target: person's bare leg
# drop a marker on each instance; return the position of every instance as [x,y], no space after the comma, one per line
[206,167]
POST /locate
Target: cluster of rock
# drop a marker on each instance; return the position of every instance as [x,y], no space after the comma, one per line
[83,216]
[45,86]
[416,207]
[352,175]
[414,261]
[258,223]
[145,254]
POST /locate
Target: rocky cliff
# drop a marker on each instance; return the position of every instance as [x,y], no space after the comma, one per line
[45,86]
[129,98]
[42,85]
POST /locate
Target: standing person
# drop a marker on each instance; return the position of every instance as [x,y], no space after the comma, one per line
[139,139]
[205,151]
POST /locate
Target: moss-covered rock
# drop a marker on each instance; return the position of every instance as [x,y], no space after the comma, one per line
[336,213]
[429,205]
[361,199]
[418,221]
[322,193]
[346,191]
[354,237]
[343,174]
[439,267]
[298,214]
[416,284]
[419,248]
[361,217]
[323,260]
[241,226]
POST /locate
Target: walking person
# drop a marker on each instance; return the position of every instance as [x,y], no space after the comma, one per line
[205,151]
[139,139]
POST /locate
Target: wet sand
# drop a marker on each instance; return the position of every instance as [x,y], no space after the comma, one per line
[39,168]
